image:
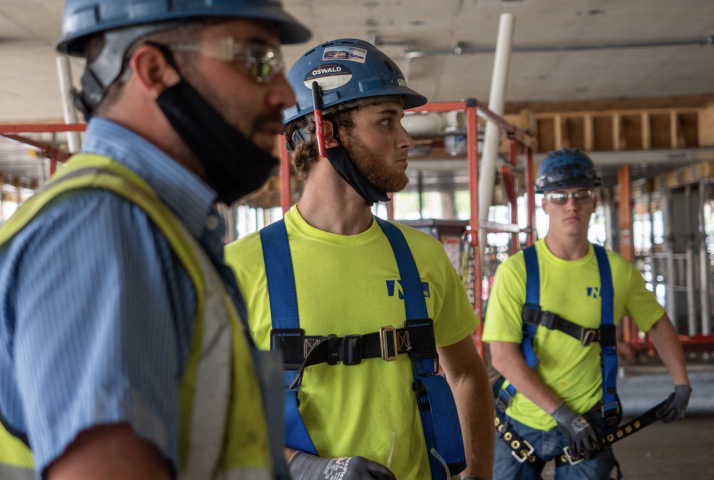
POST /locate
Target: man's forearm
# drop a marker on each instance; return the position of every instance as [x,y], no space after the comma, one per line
[468,380]
[474,404]
[509,361]
[666,341]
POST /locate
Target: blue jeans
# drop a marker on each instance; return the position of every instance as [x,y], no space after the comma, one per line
[547,446]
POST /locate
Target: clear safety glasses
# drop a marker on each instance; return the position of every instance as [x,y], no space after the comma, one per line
[581,197]
[262,62]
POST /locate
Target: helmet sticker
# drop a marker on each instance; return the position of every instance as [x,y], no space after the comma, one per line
[328,76]
[352,54]
[401,82]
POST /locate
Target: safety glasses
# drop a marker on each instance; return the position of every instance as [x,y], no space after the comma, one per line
[581,197]
[260,61]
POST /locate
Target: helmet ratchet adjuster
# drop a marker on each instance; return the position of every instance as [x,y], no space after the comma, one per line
[319,128]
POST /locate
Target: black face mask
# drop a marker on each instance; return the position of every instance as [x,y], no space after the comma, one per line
[235,165]
[347,170]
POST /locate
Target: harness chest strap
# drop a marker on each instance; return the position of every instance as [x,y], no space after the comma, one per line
[435,402]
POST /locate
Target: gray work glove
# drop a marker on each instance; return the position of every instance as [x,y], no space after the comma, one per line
[580,434]
[304,466]
[675,406]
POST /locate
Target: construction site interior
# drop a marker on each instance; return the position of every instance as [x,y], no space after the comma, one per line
[629,83]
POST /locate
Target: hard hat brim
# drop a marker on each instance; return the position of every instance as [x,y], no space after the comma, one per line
[569,184]
[290,31]
[412,99]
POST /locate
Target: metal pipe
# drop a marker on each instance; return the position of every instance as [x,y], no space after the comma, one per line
[653,262]
[704,263]
[390,207]
[472,155]
[284,176]
[530,196]
[691,314]
[610,231]
[74,140]
[459,49]
[496,103]
[513,203]
[420,192]
[669,249]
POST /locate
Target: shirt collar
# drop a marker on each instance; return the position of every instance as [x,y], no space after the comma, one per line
[187,195]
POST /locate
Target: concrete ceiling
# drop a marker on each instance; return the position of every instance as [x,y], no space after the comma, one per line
[28,28]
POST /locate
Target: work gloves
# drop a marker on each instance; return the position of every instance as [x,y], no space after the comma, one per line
[304,466]
[675,406]
[580,434]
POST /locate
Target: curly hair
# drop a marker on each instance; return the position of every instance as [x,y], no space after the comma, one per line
[305,154]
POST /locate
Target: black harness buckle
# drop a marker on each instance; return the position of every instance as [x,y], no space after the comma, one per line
[548,319]
[422,397]
[333,349]
[352,350]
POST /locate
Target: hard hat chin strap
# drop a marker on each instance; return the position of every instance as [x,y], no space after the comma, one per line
[234,164]
[348,171]
[343,165]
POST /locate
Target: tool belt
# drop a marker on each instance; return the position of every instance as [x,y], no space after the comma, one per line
[301,351]
[523,452]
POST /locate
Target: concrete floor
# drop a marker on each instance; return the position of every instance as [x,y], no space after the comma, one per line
[680,450]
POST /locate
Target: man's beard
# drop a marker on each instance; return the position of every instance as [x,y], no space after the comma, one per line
[371,164]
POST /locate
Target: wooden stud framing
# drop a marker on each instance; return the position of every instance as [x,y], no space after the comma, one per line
[673,128]
[646,131]
[589,134]
[558,130]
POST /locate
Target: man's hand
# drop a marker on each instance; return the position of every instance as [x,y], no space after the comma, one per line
[304,466]
[675,406]
[580,434]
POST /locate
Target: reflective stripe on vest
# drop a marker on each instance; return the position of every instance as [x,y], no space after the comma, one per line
[12,472]
[610,402]
[218,438]
[437,409]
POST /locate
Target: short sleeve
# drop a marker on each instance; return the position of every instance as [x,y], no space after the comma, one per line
[641,304]
[505,304]
[102,324]
[456,318]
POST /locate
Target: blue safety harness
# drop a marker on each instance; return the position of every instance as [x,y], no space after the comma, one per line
[435,401]
[533,317]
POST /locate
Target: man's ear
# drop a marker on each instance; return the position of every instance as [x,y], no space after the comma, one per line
[329,129]
[152,71]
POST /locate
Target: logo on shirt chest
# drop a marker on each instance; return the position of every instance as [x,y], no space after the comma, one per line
[400,292]
[594,292]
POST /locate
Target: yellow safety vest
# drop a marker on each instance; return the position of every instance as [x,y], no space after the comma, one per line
[223,431]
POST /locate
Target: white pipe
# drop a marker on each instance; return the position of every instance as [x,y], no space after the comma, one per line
[496,103]
[70,113]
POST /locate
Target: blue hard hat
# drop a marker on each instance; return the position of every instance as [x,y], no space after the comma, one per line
[347,70]
[566,168]
[83,18]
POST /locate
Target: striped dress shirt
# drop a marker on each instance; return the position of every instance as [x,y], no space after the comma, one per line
[96,312]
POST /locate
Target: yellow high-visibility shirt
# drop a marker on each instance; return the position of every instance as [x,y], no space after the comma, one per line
[570,289]
[349,285]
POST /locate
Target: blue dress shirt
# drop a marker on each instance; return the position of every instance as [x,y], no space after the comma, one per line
[96,312]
